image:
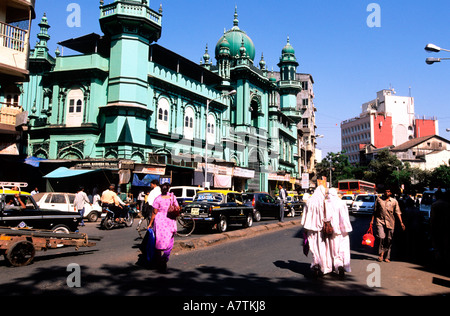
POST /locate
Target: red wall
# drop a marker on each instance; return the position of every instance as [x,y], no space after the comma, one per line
[425,127]
[383,134]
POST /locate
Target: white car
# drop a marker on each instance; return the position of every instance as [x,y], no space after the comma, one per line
[348,198]
[185,194]
[62,201]
[364,203]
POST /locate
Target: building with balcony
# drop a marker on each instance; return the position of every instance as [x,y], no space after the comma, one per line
[15,24]
[127,102]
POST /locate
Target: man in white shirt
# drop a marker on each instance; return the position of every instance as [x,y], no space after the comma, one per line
[154,193]
[80,198]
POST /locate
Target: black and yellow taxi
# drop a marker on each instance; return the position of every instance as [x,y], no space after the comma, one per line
[19,209]
[219,208]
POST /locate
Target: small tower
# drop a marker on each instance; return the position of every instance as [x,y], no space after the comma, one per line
[289,86]
[41,48]
[224,61]
[132,26]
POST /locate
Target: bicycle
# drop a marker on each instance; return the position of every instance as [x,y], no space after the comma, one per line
[185,225]
[142,226]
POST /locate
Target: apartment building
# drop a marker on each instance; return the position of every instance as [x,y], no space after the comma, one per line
[389,120]
[15,24]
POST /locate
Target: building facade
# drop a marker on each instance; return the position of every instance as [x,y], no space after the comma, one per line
[126,99]
[15,25]
[388,120]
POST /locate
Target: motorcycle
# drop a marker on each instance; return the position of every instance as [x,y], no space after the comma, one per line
[109,220]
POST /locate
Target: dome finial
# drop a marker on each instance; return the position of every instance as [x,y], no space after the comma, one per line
[236,21]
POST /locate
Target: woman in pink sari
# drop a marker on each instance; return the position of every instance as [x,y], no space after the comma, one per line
[164,227]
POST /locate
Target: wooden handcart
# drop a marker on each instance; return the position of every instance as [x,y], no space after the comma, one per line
[19,246]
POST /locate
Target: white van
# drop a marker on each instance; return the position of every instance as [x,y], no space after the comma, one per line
[185,194]
[428,198]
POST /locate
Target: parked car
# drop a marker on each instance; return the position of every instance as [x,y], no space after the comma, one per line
[348,198]
[33,216]
[363,203]
[219,208]
[63,202]
[263,205]
[185,194]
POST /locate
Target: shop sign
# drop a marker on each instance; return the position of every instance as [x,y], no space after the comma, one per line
[244,173]
[281,178]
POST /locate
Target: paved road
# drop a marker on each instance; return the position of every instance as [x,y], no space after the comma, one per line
[271,264]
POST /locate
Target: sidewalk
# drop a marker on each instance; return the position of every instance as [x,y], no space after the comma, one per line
[193,243]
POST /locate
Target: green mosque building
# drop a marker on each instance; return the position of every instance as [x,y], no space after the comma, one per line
[131,106]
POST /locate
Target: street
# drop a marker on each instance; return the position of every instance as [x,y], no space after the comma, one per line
[267,265]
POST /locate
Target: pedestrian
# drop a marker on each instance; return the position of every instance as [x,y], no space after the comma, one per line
[339,242]
[80,199]
[283,199]
[164,227]
[386,208]
[439,218]
[35,191]
[154,193]
[141,200]
[312,222]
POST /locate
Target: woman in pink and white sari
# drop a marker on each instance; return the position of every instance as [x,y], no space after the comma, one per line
[164,227]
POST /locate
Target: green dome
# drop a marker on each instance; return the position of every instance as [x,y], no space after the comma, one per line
[234,37]
[288,54]
[288,49]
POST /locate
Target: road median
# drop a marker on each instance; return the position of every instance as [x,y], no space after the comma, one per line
[182,245]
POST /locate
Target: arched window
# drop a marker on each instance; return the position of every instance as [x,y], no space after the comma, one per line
[75,108]
[163,123]
[211,130]
[189,123]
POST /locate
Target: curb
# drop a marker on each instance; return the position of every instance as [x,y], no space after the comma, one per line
[215,239]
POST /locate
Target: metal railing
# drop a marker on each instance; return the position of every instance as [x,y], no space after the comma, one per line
[132,9]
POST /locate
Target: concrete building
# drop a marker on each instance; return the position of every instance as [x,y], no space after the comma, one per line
[15,25]
[388,120]
[139,110]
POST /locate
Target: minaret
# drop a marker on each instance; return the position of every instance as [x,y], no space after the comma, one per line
[289,86]
[132,26]
[41,48]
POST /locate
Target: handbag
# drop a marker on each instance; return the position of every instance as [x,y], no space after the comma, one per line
[327,228]
[368,238]
[174,210]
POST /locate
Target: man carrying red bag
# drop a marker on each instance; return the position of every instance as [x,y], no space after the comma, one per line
[385,209]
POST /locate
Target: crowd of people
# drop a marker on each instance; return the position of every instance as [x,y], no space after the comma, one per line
[331,252]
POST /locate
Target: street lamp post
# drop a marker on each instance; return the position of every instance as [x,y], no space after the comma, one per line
[208,102]
[435,49]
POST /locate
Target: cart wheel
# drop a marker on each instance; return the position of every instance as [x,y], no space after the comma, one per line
[21,254]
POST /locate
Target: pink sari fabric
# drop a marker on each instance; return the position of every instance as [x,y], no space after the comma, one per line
[164,227]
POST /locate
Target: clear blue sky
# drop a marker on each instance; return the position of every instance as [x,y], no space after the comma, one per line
[349,61]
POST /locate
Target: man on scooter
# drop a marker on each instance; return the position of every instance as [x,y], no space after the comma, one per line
[111,200]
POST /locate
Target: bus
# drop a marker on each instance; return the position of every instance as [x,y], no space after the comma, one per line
[356,187]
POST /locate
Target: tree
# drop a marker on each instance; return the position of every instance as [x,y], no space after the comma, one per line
[336,164]
[440,177]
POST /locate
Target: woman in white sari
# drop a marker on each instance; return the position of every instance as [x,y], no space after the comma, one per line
[312,222]
[339,243]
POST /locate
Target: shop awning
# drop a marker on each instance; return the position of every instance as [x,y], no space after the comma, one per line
[64,172]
